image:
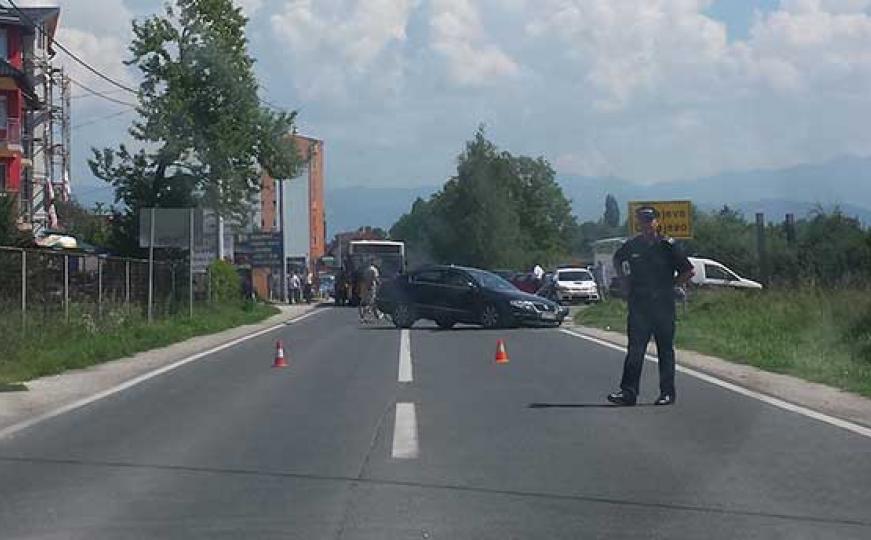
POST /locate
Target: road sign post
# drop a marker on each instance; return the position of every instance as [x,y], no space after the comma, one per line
[675,218]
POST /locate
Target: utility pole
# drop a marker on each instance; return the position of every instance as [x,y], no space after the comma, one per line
[283,287]
[760,247]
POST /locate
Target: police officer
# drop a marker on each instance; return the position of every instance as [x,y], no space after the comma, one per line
[656,267]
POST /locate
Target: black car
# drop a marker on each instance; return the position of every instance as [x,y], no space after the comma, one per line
[454,294]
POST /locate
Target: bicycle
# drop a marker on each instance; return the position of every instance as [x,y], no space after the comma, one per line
[368,308]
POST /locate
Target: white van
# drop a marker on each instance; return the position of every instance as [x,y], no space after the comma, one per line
[713,273]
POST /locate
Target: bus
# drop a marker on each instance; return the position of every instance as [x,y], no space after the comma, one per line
[388,256]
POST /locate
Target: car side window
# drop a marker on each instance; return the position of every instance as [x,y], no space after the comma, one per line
[456,279]
[428,276]
[715,272]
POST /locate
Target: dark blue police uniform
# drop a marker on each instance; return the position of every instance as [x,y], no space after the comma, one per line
[652,269]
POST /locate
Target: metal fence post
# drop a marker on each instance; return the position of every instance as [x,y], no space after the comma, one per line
[172,297]
[67,287]
[151,268]
[99,287]
[127,284]
[23,289]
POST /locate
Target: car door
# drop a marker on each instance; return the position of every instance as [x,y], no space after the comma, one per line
[459,296]
[426,287]
[715,275]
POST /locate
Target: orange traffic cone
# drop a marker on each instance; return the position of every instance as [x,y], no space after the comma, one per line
[501,354]
[279,355]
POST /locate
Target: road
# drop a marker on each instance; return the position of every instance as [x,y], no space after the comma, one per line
[335,446]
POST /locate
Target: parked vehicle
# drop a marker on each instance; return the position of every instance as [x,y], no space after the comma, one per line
[709,272]
[454,294]
[569,285]
[388,256]
[527,283]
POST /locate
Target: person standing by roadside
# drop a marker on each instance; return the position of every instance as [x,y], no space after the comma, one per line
[295,286]
[656,266]
[309,286]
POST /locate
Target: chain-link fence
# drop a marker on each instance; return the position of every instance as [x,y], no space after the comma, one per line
[39,287]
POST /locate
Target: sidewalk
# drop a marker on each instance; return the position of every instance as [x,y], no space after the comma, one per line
[47,394]
[815,396]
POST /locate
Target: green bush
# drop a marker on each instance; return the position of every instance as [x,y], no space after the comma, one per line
[226,284]
[860,336]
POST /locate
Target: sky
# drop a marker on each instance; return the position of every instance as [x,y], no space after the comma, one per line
[648,90]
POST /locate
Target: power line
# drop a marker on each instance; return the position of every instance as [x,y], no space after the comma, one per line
[91,94]
[101,118]
[71,54]
[101,94]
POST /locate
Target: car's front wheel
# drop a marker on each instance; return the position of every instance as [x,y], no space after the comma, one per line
[490,317]
[403,316]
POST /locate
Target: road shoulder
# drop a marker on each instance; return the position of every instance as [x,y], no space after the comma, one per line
[814,396]
[54,392]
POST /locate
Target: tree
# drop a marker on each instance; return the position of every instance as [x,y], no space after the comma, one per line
[498,211]
[612,212]
[10,235]
[203,133]
[89,226]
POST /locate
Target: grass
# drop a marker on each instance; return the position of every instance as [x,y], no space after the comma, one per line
[820,336]
[48,349]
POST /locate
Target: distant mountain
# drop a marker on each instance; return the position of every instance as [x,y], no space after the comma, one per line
[352,207]
[843,182]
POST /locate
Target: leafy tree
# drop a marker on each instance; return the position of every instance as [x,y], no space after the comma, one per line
[611,218]
[89,226]
[203,134]
[498,211]
[10,235]
[833,249]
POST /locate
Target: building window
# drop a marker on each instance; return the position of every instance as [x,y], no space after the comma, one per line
[2,177]
[4,44]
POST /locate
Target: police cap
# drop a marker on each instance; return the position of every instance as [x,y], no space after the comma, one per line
[646,213]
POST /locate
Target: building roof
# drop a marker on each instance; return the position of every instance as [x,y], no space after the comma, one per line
[27,16]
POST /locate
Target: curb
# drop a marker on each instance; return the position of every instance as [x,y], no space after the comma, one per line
[811,395]
[56,394]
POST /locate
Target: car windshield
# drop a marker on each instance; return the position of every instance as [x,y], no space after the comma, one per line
[575,275]
[489,280]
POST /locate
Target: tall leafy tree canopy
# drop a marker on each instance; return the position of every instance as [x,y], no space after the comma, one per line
[612,212]
[499,210]
[204,135]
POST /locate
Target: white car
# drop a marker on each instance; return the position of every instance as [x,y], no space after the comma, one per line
[708,272]
[570,284]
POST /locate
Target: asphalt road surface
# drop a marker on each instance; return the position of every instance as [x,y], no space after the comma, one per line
[373,433]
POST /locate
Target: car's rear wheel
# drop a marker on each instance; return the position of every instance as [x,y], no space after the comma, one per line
[403,316]
[490,317]
[445,323]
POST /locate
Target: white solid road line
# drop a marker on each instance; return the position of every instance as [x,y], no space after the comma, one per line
[792,407]
[405,374]
[405,432]
[15,428]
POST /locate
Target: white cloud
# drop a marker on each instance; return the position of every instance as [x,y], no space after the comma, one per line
[338,44]
[98,32]
[458,35]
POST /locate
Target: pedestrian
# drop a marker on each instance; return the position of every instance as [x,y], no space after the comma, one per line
[656,266]
[309,286]
[295,285]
